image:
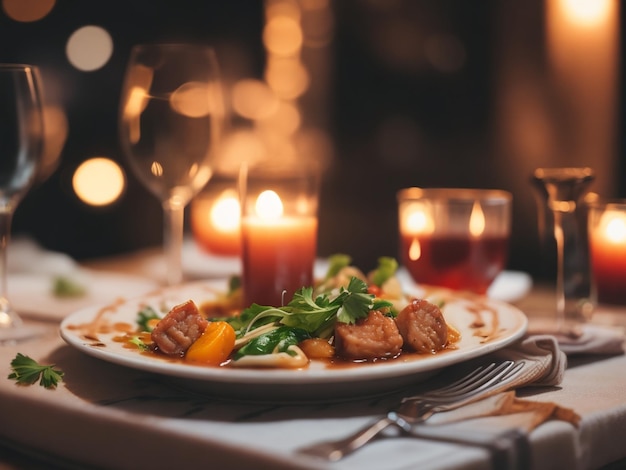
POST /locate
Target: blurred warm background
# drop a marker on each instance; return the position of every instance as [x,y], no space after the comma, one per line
[385,93]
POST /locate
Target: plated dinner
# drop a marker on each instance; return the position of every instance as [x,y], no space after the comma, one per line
[475,325]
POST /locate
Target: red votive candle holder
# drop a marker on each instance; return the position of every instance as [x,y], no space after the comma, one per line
[607,251]
[452,237]
[279,232]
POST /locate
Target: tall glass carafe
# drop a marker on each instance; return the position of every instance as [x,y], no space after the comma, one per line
[561,194]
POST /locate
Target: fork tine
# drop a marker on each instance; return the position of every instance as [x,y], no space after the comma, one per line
[477,375]
[469,378]
[479,379]
[486,377]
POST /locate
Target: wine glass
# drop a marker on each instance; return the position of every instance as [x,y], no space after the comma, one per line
[171,113]
[21,145]
[560,197]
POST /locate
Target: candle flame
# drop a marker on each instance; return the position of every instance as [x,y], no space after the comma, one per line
[614,227]
[477,220]
[415,250]
[269,206]
[417,219]
[225,213]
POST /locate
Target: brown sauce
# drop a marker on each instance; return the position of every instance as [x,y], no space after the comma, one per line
[485,325]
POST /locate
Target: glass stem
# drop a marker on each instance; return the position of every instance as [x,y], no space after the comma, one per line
[7,318]
[174,213]
[572,279]
[560,280]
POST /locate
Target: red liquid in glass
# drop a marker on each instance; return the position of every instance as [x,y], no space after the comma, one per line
[456,262]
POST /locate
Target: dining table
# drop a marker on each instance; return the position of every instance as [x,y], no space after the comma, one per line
[107,415]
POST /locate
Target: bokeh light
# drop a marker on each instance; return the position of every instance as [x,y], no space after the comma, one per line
[27,11]
[193,99]
[586,12]
[89,48]
[287,77]
[99,181]
[253,99]
[282,36]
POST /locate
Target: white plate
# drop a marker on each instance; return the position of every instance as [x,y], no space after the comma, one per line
[32,294]
[317,382]
[508,286]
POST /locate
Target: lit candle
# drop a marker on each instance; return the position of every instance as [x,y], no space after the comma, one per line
[278,251]
[607,242]
[215,222]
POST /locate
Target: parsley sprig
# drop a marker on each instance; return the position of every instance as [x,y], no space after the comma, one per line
[27,371]
[317,316]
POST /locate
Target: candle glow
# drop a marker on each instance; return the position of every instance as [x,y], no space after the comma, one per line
[477,220]
[216,222]
[586,12]
[615,228]
[269,206]
[607,246]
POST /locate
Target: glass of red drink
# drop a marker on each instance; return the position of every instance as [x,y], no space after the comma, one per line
[607,249]
[278,230]
[453,237]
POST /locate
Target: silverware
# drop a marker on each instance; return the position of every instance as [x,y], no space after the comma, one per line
[484,381]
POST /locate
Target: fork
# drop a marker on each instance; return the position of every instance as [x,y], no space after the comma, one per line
[484,381]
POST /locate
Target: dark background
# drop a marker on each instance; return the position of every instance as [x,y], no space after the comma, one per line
[443,133]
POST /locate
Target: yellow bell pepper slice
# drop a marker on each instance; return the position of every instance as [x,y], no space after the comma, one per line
[214,346]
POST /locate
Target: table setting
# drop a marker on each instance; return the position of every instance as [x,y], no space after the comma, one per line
[270,355]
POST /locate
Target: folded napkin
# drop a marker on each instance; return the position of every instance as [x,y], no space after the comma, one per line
[543,365]
[27,256]
[588,338]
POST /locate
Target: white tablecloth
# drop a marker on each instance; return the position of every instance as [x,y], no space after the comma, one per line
[110,416]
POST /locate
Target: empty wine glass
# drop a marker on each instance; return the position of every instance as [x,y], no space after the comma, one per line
[21,144]
[561,192]
[171,115]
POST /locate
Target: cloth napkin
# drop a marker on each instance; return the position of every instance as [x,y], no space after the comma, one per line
[588,338]
[26,256]
[502,421]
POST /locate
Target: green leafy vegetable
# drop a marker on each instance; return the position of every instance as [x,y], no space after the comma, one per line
[275,341]
[316,316]
[387,267]
[65,287]
[26,371]
[137,341]
[251,318]
[144,316]
[336,263]
[234,283]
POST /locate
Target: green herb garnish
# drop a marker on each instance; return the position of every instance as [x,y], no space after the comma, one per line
[65,287]
[144,316]
[387,267]
[26,371]
[317,315]
[137,341]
